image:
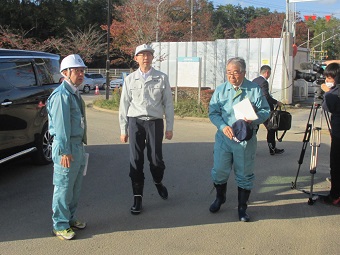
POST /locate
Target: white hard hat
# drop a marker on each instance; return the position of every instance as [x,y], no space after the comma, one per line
[144,47]
[70,61]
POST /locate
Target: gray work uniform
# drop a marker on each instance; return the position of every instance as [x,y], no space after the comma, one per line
[143,104]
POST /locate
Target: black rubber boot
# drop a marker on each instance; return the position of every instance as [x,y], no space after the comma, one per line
[137,197]
[221,190]
[162,191]
[243,196]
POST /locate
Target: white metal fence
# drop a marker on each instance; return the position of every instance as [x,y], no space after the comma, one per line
[114,73]
[214,54]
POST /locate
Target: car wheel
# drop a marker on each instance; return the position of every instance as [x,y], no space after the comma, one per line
[86,89]
[43,155]
[104,86]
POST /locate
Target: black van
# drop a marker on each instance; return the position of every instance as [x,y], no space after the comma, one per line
[27,78]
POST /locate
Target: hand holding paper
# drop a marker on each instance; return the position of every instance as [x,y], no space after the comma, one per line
[244,110]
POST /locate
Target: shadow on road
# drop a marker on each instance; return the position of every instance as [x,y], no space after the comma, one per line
[26,192]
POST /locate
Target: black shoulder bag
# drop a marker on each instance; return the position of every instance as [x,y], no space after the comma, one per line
[279,121]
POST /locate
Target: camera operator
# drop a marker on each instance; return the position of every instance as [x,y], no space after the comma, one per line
[331,103]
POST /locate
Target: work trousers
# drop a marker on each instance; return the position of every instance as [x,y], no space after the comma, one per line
[335,167]
[149,134]
[229,155]
[270,134]
[67,186]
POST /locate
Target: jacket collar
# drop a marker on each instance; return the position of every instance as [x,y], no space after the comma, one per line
[72,89]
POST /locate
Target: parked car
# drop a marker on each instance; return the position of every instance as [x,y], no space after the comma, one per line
[27,78]
[87,85]
[98,79]
[119,81]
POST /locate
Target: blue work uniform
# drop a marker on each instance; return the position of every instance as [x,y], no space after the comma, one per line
[67,124]
[229,153]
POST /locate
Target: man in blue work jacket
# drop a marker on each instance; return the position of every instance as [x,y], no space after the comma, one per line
[230,153]
[67,124]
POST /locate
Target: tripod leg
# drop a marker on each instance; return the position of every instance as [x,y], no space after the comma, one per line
[328,121]
[315,143]
[303,151]
[310,199]
[305,141]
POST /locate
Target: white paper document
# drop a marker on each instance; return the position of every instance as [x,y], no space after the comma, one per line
[244,110]
[87,155]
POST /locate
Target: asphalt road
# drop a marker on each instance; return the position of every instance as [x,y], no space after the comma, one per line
[282,221]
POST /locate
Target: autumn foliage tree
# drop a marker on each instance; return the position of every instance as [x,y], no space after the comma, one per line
[87,43]
[301,32]
[64,26]
[272,26]
[133,24]
[136,23]
[18,39]
[176,24]
[269,26]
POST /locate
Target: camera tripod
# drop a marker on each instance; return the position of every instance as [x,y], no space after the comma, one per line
[312,135]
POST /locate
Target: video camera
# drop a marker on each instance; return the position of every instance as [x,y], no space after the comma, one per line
[316,75]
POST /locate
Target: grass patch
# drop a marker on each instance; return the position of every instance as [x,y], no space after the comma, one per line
[190,108]
[111,104]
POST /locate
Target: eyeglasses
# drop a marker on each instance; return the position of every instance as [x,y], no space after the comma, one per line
[235,73]
[78,70]
[144,54]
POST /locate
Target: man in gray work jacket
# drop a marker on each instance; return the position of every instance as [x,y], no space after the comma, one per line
[146,97]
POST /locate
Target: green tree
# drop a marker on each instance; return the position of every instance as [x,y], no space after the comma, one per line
[218,32]
[52,17]
[90,13]
[233,19]
[325,34]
